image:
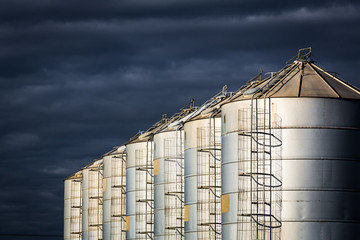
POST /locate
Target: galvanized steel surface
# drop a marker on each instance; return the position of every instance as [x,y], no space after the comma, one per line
[107,197]
[320,191]
[168,185]
[139,195]
[118,194]
[202,205]
[67,208]
[72,206]
[92,202]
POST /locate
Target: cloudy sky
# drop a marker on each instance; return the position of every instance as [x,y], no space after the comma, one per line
[80,77]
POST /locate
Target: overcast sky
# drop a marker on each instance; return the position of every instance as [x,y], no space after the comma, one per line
[80,77]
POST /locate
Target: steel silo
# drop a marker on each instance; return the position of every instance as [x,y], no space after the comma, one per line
[114,194]
[92,201]
[72,208]
[202,214]
[140,185]
[67,208]
[169,178]
[289,157]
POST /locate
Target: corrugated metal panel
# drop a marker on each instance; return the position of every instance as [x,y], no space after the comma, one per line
[319,165]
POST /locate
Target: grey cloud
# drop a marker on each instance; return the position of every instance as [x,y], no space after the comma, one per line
[78,79]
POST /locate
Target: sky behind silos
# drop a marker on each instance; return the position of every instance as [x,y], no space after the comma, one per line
[80,77]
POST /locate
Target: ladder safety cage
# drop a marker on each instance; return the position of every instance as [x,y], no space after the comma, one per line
[174,186]
[76,212]
[144,194]
[209,181]
[259,165]
[95,201]
[118,196]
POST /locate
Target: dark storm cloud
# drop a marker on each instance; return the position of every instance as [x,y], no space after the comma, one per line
[80,77]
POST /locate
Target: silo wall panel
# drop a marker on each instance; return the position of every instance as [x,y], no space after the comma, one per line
[134,207]
[159,211]
[229,116]
[190,178]
[85,205]
[67,208]
[130,201]
[320,161]
[118,195]
[168,164]
[318,143]
[75,203]
[193,229]
[230,168]
[107,160]
[299,113]
[190,130]
[319,230]
[316,112]
[95,211]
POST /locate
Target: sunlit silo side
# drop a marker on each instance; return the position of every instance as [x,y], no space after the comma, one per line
[72,223]
[169,178]
[140,185]
[114,194]
[290,159]
[92,201]
[67,208]
[202,213]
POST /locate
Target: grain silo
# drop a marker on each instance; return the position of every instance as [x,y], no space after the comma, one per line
[72,207]
[140,184]
[202,214]
[92,201]
[290,159]
[114,194]
[169,178]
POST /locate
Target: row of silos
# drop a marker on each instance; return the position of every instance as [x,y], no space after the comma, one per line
[275,160]
[95,199]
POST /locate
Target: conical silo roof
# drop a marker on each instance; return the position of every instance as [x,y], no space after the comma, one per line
[148,134]
[302,79]
[211,107]
[178,118]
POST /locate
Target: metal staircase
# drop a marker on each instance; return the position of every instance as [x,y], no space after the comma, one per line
[118,192]
[259,172]
[174,187]
[209,182]
[145,193]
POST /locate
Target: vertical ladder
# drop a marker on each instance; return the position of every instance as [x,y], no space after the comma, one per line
[260,183]
[76,205]
[144,193]
[95,174]
[209,181]
[174,187]
[118,192]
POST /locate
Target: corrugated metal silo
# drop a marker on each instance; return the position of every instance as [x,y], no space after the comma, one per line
[114,194]
[290,159]
[92,201]
[72,208]
[202,213]
[169,178]
[140,185]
